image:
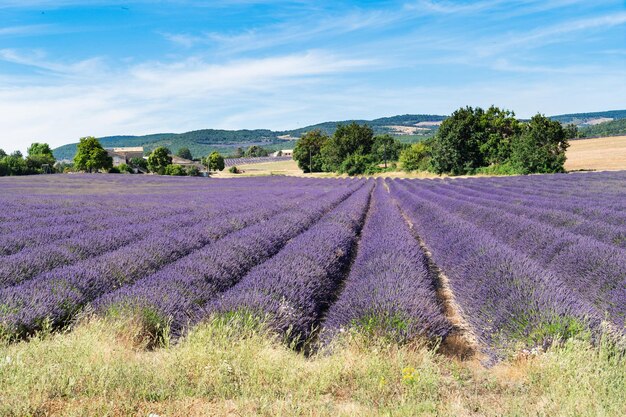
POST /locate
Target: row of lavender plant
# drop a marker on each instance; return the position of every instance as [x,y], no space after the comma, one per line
[174,294]
[56,296]
[593,207]
[29,263]
[600,231]
[505,295]
[389,289]
[596,271]
[294,288]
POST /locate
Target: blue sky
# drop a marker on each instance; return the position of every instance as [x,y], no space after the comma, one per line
[74,68]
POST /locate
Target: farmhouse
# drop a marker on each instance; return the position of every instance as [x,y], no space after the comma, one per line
[124,155]
[283,152]
[187,163]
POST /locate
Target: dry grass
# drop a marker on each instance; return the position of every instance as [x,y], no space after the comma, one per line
[597,154]
[102,368]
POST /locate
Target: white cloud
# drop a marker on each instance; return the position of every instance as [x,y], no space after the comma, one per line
[154,97]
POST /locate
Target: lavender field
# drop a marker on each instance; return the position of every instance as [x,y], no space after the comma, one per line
[494,261]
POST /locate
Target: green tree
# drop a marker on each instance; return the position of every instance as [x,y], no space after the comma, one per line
[307,151]
[256,151]
[357,164]
[184,153]
[2,153]
[214,162]
[159,159]
[540,148]
[239,153]
[472,138]
[91,156]
[192,171]
[386,148]
[497,128]
[347,140]
[416,157]
[39,154]
[139,163]
[571,131]
[175,170]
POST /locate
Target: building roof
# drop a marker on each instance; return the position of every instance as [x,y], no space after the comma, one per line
[129,149]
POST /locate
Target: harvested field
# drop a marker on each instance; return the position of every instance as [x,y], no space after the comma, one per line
[597,154]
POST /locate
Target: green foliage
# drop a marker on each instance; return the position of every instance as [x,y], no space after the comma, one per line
[39,154]
[2,153]
[139,163]
[91,156]
[571,131]
[193,171]
[175,170]
[497,129]
[239,153]
[13,164]
[612,128]
[386,148]
[540,148]
[255,151]
[416,157]
[307,152]
[114,170]
[505,168]
[40,149]
[357,164]
[234,170]
[580,118]
[214,162]
[159,159]
[348,140]
[473,138]
[124,169]
[184,153]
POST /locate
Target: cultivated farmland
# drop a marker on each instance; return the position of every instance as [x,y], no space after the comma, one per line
[472,267]
[520,258]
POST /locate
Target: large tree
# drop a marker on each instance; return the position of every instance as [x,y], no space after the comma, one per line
[541,146]
[347,140]
[91,156]
[159,159]
[184,153]
[214,162]
[307,151]
[473,138]
[386,148]
[255,151]
[39,154]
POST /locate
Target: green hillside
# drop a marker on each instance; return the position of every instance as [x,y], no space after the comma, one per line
[613,128]
[582,118]
[202,142]
[205,141]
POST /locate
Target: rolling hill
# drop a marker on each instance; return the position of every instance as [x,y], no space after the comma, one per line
[407,128]
[202,142]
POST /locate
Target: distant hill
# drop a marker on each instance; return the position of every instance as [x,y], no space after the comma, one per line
[407,128]
[612,128]
[202,142]
[590,119]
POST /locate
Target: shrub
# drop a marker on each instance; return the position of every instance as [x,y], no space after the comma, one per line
[415,158]
[175,170]
[234,170]
[192,171]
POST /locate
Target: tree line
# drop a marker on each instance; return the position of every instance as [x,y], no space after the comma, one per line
[470,141]
[39,159]
[92,157]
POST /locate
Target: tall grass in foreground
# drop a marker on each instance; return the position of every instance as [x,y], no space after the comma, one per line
[234,367]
